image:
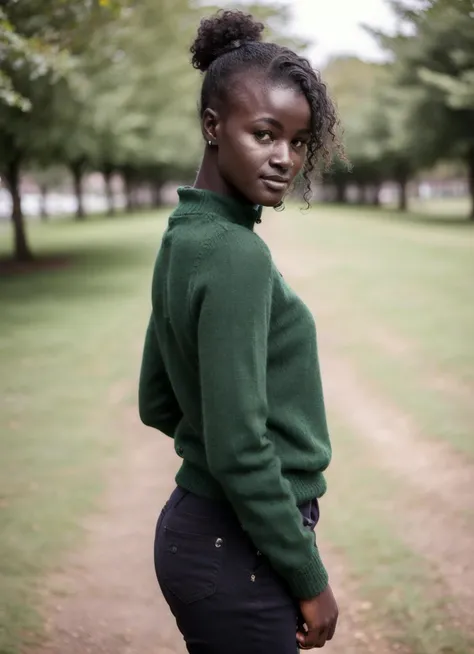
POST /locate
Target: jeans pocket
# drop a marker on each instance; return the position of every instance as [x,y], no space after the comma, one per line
[188,565]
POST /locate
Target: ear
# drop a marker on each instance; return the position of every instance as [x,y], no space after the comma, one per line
[209,125]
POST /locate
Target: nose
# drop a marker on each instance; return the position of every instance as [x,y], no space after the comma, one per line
[281,156]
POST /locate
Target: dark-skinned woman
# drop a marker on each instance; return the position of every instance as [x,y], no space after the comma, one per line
[230,366]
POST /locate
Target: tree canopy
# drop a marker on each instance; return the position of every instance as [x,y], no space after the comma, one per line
[433,71]
[106,85]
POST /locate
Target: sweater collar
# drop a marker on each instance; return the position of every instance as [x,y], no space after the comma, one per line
[193,200]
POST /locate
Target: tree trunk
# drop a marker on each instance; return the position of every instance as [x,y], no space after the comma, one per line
[77,169]
[470,180]
[361,194]
[130,204]
[137,195]
[341,189]
[156,194]
[22,251]
[376,195]
[43,206]
[107,173]
[402,193]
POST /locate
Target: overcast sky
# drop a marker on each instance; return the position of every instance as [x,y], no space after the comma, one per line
[334,26]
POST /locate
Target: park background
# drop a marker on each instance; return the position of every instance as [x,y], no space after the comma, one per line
[98,126]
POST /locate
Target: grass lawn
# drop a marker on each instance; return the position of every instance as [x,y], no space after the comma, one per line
[69,349]
[397,297]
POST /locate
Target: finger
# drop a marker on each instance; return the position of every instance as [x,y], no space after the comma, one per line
[314,638]
[322,637]
[303,641]
[301,636]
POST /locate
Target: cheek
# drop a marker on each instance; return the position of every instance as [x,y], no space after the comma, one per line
[242,154]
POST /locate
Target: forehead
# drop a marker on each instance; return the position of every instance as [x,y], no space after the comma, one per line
[252,97]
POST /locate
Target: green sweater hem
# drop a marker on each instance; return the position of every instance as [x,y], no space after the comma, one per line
[202,483]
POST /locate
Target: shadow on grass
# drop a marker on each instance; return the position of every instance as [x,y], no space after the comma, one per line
[82,272]
[9,266]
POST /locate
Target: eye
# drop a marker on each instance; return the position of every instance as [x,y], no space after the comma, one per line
[263,136]
[299,143]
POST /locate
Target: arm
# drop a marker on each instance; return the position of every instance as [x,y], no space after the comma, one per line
[233,292]
[157,403]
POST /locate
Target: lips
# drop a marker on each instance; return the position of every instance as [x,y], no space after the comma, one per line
[275,183]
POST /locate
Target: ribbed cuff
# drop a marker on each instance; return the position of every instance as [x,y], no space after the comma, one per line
[310,580]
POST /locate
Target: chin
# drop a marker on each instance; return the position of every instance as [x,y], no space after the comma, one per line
[264,198]
[273,203]
[270,199]
[257,195]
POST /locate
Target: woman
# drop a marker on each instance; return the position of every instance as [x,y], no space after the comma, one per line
[230,368]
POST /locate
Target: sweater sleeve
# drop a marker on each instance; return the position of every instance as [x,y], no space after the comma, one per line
[157,403]
[233,293]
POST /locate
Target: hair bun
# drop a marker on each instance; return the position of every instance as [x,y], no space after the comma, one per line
[222,33]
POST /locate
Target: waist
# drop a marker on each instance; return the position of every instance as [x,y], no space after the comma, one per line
[223,512]
[305,486]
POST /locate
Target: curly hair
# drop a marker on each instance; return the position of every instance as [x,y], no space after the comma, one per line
[229,43]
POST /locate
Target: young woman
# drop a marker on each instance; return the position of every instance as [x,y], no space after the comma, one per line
[230,367]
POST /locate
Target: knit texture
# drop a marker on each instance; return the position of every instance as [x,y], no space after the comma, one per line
[230,371]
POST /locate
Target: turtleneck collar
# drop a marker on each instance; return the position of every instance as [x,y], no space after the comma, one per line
[194,200]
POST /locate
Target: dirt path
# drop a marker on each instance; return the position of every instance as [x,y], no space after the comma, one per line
[105,599]
[435,484]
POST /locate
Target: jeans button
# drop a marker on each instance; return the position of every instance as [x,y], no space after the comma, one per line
[219,542]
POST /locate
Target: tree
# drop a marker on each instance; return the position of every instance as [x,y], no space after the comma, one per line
[433,64]
[47,179]
[38,44]
[353,83]
[103,85]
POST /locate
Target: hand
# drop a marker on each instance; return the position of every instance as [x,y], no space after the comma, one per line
[319,615]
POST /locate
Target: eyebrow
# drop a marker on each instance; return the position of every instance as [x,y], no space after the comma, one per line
[278,125]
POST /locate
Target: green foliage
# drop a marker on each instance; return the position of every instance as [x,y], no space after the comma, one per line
[104,85]
[40,49]
[418,108]
[353,84]
[40,37]
[434,63]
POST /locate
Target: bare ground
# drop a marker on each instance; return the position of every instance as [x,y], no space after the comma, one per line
[104,599]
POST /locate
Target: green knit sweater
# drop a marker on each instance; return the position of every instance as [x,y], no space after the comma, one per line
[230,371]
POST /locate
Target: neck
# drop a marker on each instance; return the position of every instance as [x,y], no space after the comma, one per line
[210,179]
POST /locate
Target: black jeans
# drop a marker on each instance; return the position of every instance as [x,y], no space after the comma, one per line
[224,594]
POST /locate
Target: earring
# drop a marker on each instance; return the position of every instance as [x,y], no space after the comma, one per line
[210,142]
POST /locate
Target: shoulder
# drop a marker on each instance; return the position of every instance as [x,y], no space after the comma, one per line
[235,243]
[233,257]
